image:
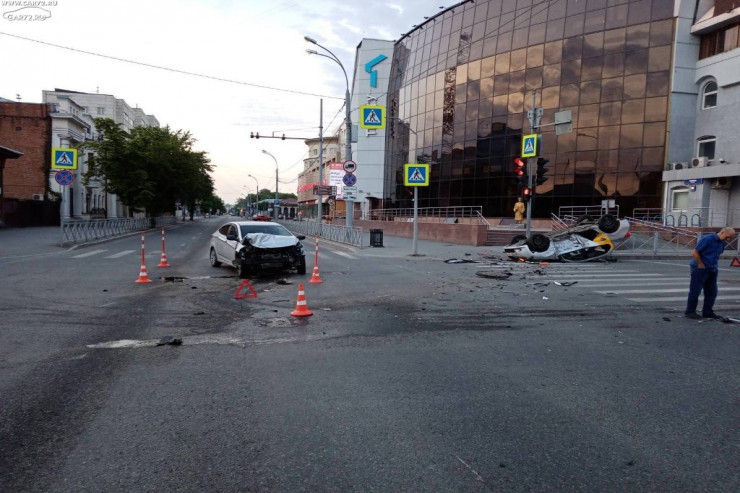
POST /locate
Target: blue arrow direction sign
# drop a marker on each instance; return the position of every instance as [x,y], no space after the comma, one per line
[416,175]
[63,158]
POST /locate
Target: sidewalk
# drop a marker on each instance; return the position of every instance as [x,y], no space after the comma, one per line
[27,242]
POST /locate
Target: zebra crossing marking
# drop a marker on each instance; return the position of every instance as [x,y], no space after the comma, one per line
[121,254]
[89,254]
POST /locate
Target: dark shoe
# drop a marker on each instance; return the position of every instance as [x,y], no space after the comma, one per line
[712,315]
[693,316]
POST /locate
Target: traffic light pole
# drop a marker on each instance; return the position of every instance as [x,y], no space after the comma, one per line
[534,121]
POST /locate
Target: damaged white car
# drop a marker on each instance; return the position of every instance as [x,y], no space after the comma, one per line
[588,240]
[251,246]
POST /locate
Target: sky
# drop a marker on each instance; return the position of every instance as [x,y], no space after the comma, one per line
[274,86]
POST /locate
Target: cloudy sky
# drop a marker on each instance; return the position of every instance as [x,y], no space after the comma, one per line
[258,45]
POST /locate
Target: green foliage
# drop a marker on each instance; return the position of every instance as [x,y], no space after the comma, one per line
[150,167]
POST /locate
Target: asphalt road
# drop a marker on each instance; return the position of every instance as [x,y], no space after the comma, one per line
[412,375]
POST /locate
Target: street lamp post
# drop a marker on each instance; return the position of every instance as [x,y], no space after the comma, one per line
[275,205]
[258,190]
[347,119]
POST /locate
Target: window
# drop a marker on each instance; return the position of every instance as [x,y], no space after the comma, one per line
[724,39]
[101,110]
[680,199]
[706,147]
[709,95]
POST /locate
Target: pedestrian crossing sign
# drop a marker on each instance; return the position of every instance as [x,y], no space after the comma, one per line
[372,116]
[63,158]
[416,175]
[529,145]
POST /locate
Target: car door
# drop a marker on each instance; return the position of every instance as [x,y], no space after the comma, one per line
[221,244]
[229,253]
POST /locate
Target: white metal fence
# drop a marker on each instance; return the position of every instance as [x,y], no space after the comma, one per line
[82,230]
[340,234]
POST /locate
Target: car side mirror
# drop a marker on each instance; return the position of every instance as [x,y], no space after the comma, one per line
[232,237]
[301,237]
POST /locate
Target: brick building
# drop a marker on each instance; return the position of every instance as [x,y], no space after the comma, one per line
[26,127]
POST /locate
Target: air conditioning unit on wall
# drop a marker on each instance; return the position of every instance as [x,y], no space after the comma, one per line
[700,161]
[722,183]
[38,196]
[678,165]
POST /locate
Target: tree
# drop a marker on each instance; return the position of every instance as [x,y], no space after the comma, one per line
[150,167]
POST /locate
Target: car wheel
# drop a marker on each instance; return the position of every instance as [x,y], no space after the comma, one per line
[214,259]
[301,269]
[584,219]
[608,223]
[538,243]
[517,239]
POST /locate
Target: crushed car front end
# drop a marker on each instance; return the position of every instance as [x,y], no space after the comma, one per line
[263,251]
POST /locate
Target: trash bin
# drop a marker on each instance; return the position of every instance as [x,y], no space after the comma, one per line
[376,237]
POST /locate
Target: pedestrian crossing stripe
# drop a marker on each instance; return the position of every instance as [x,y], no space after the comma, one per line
[63,158]
[529,145]
[372,116]
[416,175]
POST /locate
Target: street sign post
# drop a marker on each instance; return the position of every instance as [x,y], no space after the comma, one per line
[63,158]
[372,117]
[529,145]
[416,175]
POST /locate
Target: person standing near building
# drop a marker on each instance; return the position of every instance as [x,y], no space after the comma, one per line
[519,210]
[704,272]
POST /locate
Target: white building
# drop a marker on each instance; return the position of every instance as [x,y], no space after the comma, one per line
[73,116]
[702,177]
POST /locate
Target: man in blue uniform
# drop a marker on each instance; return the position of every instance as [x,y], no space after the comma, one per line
[704,273]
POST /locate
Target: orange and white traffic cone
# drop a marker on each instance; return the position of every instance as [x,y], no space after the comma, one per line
[301,309]
[163,261]
[142,271]
[315,277]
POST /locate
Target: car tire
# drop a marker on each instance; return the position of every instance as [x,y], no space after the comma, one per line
[538,243]
[517,239]
[584,219]
[608,223]
[301,269]
[213,258]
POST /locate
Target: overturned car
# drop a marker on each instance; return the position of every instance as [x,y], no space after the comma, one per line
[251,246]
[588,240]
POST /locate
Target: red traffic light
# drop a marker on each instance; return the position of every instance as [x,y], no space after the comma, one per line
[520,166]
[527,192]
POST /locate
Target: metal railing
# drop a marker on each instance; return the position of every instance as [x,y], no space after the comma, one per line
[82,230]
[648,236]
[695,217]
[594,211]
[455,211]
[340,234]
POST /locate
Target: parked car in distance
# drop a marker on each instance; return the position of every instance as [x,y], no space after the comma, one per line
[251,246]
[589,239]
[261,217]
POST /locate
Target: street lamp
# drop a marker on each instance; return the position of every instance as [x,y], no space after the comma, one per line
[258,190]
[347,119]
[275,206]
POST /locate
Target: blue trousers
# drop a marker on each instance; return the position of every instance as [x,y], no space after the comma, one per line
[702,279]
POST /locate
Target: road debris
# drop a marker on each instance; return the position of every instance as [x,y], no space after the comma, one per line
[460,261]
[502,276]
[169,341]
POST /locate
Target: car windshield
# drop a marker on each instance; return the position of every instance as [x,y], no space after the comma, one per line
[270,229]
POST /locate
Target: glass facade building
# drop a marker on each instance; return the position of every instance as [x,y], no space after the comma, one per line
[462,83]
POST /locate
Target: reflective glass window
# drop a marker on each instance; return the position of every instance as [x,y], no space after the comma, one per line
[591,68]
[638,37]
[652,159]
[610,113]
[474,70]
[516,81]
[461,93]
[486,88]
[659,58]
[639,11]
[489,46]
[557,9]
[574,25]
[551,75]
[518,60]
[611,89]
[654,134]
[473,90]
[570,72]
[555,30]
[614,40]
[501,85]
[551,97]
[635,62]
[631,135]
[485,108]
[479,30]
[588,116]
[535,56]
[656,109]
[533,79]
[569,95]
[593,44]
[515,122]
[595,21]
[661,33]
[504,42]
[501,105]
[566,143]
[520,37]
[537,34]
[553,52]
[516,102]
[633,110]
[503,63]
[609,137]
[657,84]
[590,92]
[572,48]
[635,86]
[488,66]
[586,140]
[613,65]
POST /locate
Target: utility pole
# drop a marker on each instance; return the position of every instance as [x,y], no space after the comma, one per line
[534,122]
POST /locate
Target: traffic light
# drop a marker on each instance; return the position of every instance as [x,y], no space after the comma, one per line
[253,135]
[541,170]
[527,193]
[520,170]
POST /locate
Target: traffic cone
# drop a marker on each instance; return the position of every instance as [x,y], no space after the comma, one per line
[143,278]
[315,277]
[240,295]
[163,261]
[301,309]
